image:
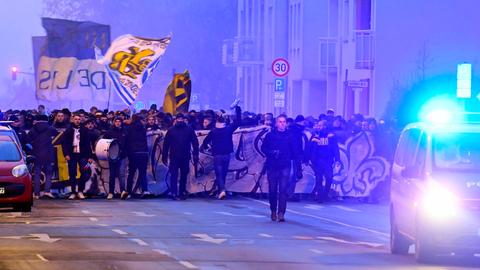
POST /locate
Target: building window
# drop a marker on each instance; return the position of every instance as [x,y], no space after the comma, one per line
[328,50]
[364,49]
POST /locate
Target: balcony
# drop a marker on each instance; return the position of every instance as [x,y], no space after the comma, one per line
[327,54]
[241,51]
[364,49]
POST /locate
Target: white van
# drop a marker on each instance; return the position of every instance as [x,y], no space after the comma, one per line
[435,191]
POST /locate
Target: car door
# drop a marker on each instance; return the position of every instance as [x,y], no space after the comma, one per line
[401,185]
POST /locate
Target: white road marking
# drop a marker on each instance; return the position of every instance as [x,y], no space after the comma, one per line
[187,265]
[86,212]
[330,220]
[301,237]
[333,239]
[42,258]
[348,209]
[316,251]
[265,235]
[188,213]
[237,215]
[139,241]
[206,238]
[162,252]
[142,214]
[92,219]
[313,206]
[119,231]
[34,236]
[102,225]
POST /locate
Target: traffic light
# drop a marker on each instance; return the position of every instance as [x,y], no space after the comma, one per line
[14,72]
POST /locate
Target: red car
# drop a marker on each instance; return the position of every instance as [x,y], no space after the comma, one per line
[15,178]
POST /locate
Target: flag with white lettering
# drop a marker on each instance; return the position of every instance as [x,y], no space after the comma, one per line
[67,69]
[130,61]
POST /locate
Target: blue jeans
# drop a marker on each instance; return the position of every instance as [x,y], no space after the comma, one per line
[278,180]
[220,163]
[37,169]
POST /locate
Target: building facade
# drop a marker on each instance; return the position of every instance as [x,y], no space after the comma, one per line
[329,45]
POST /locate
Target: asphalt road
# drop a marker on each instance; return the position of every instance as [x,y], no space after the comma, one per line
[202,234]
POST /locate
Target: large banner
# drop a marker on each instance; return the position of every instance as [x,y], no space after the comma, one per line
[360,173]
[67,70]
[130,61]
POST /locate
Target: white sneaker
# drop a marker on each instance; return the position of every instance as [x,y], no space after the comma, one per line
[110,196]
[222,195]
[35,197]
[72,196]
[124,195]
[48,195]
[81,196]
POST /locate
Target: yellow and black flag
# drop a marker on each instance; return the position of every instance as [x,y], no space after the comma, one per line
[177,95]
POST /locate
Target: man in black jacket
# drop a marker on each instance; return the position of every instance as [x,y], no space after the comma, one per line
[221,141]
[278,146]
[297,131]
[137,152]
[323,153]
[178,143]
[117,167]
[77,151]
[40,137]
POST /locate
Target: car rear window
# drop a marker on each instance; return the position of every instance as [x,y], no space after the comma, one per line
[9,151]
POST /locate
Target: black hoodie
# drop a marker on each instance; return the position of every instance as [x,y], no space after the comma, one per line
[119,135]
[136,138]
[179,141]
[40,137]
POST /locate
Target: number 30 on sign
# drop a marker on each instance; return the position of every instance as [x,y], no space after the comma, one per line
[280,67]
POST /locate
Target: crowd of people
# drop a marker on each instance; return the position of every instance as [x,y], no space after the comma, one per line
[285,147]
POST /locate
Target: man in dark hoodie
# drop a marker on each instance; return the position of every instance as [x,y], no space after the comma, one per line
[117,167]
[177,147]
[278,147]
[40,137]
[323,153]
[221,141]
[77,151]
[296,130]
[137,152]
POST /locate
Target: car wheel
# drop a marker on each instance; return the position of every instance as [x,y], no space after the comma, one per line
[399,244]
[23,208]
[424,250]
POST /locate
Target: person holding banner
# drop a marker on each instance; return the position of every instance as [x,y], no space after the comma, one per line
[220,138]
[137,151]
[77,151]
[177,147]
[279,148]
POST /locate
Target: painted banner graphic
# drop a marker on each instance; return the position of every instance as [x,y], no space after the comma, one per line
[66,69]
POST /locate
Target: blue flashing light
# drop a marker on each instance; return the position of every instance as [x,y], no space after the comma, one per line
[441,110]
[464,80]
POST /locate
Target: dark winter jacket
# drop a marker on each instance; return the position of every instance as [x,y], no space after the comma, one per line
[323,149]
[136,138]
[119,135]
[85,142]
[221,139]
[179,141]
[40,137]
[279,149]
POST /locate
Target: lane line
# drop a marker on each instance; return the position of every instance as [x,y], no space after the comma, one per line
[329,220]
[92,219]
[102,225]
[333,239]
[348,209]
[301,237]
[42,258]
[119,231]
[139,241]
[86,212]
[188,213]
[316,251]
[187,265]
[162,252]
[266,235]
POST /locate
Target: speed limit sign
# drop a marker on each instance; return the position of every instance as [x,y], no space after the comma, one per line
[280,67]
